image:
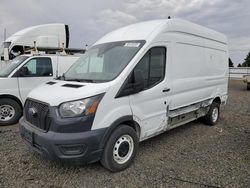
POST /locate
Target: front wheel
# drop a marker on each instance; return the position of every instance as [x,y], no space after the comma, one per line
[10,112]
[248,86]
[212,117]
[120,149]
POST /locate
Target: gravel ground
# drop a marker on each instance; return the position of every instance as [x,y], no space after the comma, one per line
[193,155]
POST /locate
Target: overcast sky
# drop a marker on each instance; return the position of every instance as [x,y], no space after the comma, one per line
[89,20]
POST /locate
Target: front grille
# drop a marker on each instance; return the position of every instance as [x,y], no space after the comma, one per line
[37,113]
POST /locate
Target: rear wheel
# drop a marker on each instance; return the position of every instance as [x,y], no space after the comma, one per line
[248,86]
[10,111]
[212,117]
[120,149]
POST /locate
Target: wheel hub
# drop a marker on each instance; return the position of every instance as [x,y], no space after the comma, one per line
[123,149]
[7,112]
[215,114]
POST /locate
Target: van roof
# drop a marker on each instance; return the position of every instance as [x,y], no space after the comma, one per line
[149,30]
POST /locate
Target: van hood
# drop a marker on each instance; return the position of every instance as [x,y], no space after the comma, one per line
[57,92]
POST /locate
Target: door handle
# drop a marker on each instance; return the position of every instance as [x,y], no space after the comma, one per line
[166,90]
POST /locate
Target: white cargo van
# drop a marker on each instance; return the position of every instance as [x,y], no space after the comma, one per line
[23,74]
[134,83]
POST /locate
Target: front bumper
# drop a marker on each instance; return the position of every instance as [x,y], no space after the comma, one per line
[79,147]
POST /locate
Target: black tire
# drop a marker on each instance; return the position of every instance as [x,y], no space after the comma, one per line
[108,159]
[13,118]
[248,86]
[208,118]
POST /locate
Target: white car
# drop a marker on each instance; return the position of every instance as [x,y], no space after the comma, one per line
[133,84]
[21,75]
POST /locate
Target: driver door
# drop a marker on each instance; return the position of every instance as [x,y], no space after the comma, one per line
[150,106]
[34,73]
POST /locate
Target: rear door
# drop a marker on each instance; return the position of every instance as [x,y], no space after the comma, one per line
[150,106]
[36,71]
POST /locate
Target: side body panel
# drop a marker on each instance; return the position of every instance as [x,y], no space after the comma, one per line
[198,70]
[110,108]
[9,86]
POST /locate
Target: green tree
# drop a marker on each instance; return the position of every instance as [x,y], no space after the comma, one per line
[247,61]
[230,63]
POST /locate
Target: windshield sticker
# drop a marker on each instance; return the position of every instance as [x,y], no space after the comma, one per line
[132,44]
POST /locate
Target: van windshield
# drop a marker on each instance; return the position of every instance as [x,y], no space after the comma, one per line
[11,65]
[103,62]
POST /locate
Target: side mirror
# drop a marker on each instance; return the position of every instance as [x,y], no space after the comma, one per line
[138,84]
[134,84]
[60,77]
[23,72]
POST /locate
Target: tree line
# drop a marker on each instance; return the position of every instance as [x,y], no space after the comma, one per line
[246,62]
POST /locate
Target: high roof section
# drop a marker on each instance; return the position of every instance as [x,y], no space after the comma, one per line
[150,29]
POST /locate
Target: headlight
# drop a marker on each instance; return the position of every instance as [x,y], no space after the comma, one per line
[82,107]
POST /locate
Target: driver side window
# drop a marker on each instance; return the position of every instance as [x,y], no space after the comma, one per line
[152,65]
[31,66]
[37,67]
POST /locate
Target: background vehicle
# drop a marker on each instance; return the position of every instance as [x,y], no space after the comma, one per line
[134,83]
[47,35]
[246,79]
[24,73]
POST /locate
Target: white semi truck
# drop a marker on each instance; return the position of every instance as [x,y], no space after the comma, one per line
[47,35]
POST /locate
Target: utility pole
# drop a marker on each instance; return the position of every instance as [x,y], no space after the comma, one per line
[4,36]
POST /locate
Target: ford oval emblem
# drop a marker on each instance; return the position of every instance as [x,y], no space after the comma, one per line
[32,112]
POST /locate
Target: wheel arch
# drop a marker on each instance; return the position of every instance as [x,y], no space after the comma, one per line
[217,100]
[6,96]
[126,120]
